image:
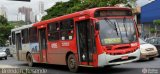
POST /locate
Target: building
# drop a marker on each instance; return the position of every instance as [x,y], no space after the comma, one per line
[20,17]
[39,16]
[32,17]
[41,7]
[41,12]
[149,13]
[27,12]
[3,11]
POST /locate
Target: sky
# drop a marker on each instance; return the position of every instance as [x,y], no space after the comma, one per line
[12,6]
[143,2]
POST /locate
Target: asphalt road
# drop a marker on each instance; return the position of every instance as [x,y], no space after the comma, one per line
[139,67]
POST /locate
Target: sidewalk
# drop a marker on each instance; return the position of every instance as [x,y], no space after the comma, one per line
[7,66]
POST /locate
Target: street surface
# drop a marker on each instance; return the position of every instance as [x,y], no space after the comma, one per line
[130,68]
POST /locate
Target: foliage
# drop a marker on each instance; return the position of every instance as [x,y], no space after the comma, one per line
[156,22]
[5,29]
[17,23]
[152,30]
[131,3]
[63,8]
[3,21]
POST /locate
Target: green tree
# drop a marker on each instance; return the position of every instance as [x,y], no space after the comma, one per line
[17,23]
[63,8]
[3,21]
[152,30]
[5,29]
[131,3]
[156,22]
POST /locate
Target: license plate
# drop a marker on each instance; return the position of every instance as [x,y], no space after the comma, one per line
[124,57]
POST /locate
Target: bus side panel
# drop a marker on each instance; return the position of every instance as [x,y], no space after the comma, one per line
[34,49]
[14,53]
[23,52]
[57,51]
[56,55]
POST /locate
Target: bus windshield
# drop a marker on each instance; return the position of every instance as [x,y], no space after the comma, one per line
[117,30]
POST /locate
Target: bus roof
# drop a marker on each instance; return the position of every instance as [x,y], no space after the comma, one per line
[22,27]
[89,12]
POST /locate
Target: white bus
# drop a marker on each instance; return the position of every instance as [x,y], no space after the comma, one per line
[19,41]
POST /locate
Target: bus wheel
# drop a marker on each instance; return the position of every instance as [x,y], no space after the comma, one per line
[29,60]
[5,58]
[72,63]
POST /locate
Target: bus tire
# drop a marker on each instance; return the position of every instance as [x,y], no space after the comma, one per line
[5,58]
[72,63]
[30,60]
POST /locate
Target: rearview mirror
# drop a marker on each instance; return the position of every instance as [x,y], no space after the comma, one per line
[97,26]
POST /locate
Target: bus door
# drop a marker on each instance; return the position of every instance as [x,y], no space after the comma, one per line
[42,45]
[85,41]
[18,45]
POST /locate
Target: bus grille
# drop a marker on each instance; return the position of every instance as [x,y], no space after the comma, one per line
[121,48]
[120,60]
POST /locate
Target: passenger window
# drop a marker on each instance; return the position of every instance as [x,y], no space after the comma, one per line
[25,37]
[66,29]
[33,35]
[53,26]
[53,31]
[151,41]
[10,43]
[13,38]
[158,40]
[155,41]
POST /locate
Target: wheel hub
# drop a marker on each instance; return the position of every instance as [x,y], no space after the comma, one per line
[72,63]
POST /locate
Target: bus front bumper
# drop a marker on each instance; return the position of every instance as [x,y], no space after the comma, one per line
[106,59]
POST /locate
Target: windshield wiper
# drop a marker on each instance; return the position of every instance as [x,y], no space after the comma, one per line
[126,31]
[124,20]
[115,27]
[120,32]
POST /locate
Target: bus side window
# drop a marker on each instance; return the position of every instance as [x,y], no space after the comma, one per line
[33,35]
[25,38]
[66,29]
[13,38]
[53,31]
[10,43]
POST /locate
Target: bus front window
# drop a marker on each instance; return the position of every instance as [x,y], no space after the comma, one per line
[115,31]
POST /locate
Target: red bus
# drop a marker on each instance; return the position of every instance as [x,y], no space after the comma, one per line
[94,37]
